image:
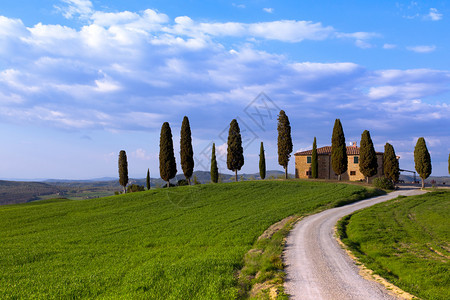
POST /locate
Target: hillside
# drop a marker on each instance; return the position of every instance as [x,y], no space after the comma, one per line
[19,192]
[13,192]
[178,243]
[406,240]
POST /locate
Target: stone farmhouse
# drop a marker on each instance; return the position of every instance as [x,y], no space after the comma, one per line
[303,164]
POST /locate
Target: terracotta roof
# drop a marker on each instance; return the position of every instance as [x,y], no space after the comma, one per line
[351,150]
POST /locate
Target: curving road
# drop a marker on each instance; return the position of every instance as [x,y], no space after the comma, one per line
[318,268]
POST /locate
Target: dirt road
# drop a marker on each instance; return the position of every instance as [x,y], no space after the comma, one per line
[318,268]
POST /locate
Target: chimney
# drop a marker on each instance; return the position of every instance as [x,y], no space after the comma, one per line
[354,144]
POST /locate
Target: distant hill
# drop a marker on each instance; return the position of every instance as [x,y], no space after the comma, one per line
[25,191]
[437,180]
[19,192]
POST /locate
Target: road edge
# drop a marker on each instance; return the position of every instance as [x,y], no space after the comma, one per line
[369,274]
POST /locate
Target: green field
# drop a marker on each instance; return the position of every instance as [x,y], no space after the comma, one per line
[178,243]
[407,241]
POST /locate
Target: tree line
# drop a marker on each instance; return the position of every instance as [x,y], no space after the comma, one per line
[368,163]
[235,153]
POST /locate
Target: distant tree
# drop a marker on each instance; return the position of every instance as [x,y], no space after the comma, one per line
[262,162]
[368,164]
[422,160]
[390,163]
[186,152]
[167,163]
[123,170]
[284,141]
[214,169]
[314,161]
[339,161]
[135,188]
[235,153]
[148,179]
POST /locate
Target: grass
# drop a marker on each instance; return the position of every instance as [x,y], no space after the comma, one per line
[178,243]
[406,241]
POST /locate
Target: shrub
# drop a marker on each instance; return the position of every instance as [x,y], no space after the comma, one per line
[196,182]
[182,182]
[135,188]
[383,183]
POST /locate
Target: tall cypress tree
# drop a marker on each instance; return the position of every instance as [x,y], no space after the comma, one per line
[390,163]
[235,153]
[186,152]
[262,162]
[214,169]
[123,170]
[167,164]
[314,161]
[148,179]
[368,164]
[284,141]
[339,161]
[422,160]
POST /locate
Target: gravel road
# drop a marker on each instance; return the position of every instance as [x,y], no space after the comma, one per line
[318,268]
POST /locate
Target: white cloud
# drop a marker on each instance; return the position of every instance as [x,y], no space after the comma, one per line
[141,154]
[389,46]
[221,150]
[358,35]
[362,44]
[290,31]
[421,49]
[268,10]
[82,8]
[434,15]
[238,5]
[123,70]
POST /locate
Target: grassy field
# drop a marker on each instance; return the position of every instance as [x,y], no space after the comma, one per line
[178,243]
[407,241]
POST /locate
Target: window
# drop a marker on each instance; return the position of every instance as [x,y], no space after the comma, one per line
[308,159]
[352,173]
[308,173]
[355,159]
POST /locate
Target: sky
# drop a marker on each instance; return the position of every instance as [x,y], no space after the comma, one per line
[81,80]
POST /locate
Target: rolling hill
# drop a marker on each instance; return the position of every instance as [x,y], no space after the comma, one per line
[179,243]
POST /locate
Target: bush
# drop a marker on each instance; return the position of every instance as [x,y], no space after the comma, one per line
[135,188]
[182,182]
[383,183]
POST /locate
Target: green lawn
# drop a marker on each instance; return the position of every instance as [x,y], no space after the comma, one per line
[407,241]
[177,243]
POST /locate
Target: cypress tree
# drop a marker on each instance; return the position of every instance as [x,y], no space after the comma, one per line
[422,160]
[235,153]
[148,179]
[123,170]
[339,161]
[368,164]
[314,161]
[167,164]
[214,169]
[186,152]
[284,141]
[262,162]
[390,163]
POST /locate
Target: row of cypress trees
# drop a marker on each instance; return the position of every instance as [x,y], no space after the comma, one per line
[368,164]
[235,152]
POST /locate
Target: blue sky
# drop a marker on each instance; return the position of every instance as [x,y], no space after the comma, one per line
[81,80]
